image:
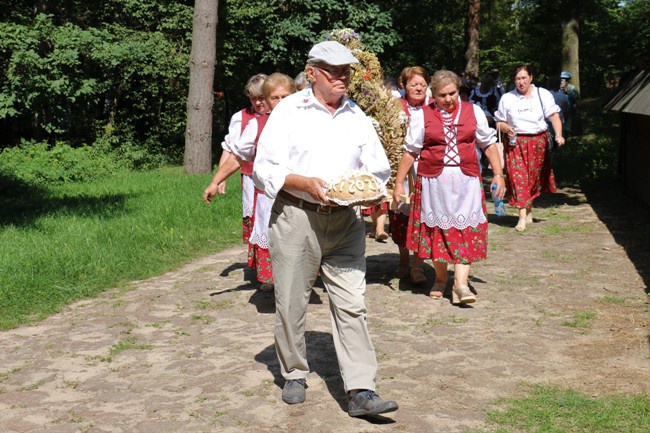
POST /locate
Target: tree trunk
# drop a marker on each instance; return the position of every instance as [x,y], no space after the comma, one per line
[200,98]
[571,41]
[472,53]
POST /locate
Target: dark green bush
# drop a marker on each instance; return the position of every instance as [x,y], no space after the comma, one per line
[130,154]
[38,164]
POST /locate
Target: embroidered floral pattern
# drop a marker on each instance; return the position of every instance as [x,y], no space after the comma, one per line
[529,171]
[259,259]
[450,245]
[247,228]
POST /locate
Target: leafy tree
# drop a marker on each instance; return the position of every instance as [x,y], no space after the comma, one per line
[272,35]
[615,36]
[115,72]
[76,75]
[499,35]
[430,33]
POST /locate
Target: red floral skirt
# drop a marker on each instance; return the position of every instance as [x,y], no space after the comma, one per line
[452,245]
[260,260]
[529,170]
[247,228]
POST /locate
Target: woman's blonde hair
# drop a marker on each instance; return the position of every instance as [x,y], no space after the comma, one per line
[275,80]
[442,78]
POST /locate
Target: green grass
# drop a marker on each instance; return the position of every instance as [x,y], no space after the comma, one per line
[129,343]
[613,300]
[554,410]
[442,321]
[73,241]
[580,320]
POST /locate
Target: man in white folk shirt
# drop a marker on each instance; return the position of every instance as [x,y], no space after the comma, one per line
[312,137]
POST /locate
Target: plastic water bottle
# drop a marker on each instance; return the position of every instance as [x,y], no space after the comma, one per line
[499,208]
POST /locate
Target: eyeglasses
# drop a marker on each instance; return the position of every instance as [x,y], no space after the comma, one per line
[335,72]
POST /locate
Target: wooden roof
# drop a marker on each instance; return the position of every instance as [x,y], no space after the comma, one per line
[633,95]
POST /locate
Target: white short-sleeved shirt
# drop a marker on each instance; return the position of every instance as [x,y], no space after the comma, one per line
[452,199]
[302,137]
[485,135]
[234,131]
[244,147]
[525,114]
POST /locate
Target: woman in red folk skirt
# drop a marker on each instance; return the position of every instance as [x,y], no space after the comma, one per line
[522,114]
[275,87]
[448,220]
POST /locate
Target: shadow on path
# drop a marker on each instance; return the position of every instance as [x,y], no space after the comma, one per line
[321,357]
[322,361]
[627,219]
[264,302]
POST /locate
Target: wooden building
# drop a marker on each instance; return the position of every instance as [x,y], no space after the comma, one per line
[632,101]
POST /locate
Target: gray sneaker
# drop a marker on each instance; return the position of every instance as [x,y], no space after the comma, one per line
[369,403]
[294,391]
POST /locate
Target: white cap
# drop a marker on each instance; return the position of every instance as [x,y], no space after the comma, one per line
[332,53]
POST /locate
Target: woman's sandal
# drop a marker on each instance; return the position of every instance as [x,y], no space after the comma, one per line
[417,276]
[462,295]
[438,290]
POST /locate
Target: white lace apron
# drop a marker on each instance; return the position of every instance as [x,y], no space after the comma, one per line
[247,195]
[260,232]
[452,199]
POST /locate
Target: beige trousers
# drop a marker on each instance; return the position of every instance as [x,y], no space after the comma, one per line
[303,242]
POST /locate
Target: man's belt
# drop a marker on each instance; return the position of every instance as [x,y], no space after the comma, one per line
[313,207]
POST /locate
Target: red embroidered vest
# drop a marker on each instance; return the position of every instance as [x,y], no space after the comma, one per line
[246,115]
[433,152]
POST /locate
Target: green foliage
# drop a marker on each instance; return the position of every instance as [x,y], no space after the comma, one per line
[431,33]
[129,154]
[267,36]
[592,156]
[61,79]
[43,73]
[117,70]
[37,164]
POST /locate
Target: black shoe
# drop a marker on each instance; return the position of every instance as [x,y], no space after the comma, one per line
[294,391]
[369,403]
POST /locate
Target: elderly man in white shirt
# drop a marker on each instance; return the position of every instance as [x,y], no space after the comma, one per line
[312,137]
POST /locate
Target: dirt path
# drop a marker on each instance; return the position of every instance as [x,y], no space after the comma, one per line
[192,350]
